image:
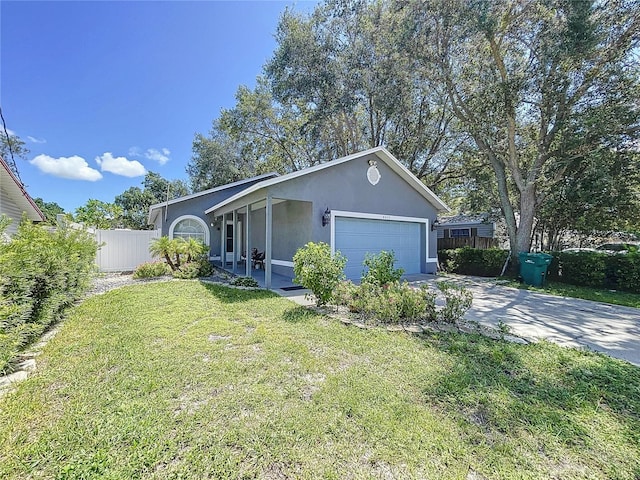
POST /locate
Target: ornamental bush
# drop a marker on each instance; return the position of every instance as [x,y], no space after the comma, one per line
[457,301]
[151,270]
[245,282]
[319,271]
[42,272]
[393,302]
[380,268]
[199,267]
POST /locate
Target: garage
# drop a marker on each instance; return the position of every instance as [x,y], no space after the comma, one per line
[355,237]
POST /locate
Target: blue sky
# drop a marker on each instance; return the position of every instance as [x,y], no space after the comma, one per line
[102,92]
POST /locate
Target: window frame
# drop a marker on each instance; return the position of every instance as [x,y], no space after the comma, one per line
[202,223]
[467,230]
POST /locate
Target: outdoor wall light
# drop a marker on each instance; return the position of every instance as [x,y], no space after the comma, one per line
[326,217]
[435,225]
[373,163]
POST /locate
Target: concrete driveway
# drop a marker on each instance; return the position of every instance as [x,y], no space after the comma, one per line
[569,322]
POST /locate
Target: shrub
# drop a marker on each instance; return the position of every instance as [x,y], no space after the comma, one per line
[41,273]
[152,269]
[245,282]
[380,269]
[626,271]
[473,261]
[457,301]
[196,268]
[583,268]
[553,270]
[187,270]
[393,302]
[316,269]
[343,293]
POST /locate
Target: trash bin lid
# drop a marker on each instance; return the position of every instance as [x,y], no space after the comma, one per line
[536,258]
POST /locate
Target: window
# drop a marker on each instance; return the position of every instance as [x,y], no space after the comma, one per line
[459,232]
[189,226]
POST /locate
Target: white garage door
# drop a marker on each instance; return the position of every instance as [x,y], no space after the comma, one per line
[355,237]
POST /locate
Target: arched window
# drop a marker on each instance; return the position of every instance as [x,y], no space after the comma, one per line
[189,226]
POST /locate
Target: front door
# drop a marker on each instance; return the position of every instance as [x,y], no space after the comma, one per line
[230,241]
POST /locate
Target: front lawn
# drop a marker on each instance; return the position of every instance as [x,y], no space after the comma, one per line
[614,297]
[186,380]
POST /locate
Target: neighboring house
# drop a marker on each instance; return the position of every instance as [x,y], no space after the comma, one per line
[459,230]
[362,203]
[15,201]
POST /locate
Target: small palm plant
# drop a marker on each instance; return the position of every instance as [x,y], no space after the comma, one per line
[166,248]
[193,249]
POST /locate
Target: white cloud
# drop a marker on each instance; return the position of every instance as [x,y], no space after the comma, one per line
[135,152]
[36,140]
[73,168]
[160,156]
[120,165]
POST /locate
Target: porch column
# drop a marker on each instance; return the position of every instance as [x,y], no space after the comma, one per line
[223,242]
[235,241]
[267,243]
[247,266]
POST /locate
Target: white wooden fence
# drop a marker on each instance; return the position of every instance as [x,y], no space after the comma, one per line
[123,250]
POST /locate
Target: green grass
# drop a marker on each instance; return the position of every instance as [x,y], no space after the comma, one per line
[183,380]
[614,297]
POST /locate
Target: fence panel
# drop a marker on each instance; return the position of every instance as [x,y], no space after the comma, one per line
[123,250]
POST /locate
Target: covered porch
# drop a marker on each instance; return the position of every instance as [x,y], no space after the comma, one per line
[274,227]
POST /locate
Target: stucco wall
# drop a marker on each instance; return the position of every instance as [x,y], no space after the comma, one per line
[196,207]
[345,187]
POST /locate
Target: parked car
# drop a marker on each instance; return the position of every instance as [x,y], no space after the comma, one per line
[618,247]
[613,248]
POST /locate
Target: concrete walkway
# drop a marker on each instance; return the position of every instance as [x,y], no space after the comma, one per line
[572,322]
[534,316]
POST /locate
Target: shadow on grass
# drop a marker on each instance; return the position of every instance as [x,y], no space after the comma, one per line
[236,295]
[298,314]
[503,387]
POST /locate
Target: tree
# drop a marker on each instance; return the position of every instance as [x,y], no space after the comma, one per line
[135,202]
[347,69]
[99,214]
[216,160]
[270,134]
[50,210]
[163,189]
[12,144]
[519,75]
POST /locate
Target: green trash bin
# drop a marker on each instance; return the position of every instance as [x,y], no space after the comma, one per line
[533,268]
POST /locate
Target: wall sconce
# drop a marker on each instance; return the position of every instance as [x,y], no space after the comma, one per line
[435,225]
[373,163]
[326,217]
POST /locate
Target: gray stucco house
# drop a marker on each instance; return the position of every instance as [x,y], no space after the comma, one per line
[365,202]
[15,201]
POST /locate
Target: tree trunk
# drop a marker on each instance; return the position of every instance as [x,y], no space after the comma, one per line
[527,215]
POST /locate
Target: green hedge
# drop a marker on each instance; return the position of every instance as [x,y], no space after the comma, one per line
[473,261]
[590,269]
[583,268]
[599,270]
[41,273]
